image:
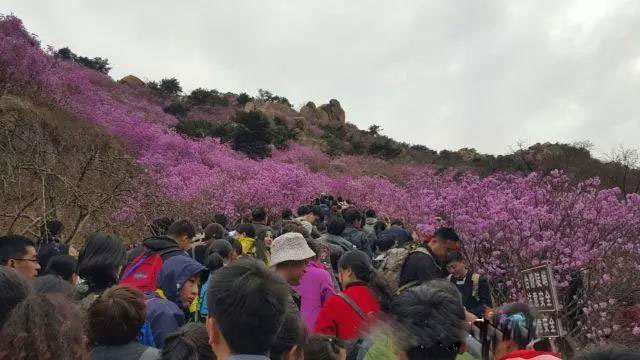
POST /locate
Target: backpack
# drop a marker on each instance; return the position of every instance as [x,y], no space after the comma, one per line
[475,280]
[393,263]
[143,272]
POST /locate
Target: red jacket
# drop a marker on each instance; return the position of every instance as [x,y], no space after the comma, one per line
[532,355]
[337,318]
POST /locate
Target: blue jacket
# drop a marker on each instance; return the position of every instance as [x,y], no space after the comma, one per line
[165,315]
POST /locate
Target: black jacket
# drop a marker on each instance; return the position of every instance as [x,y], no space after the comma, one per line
[420,267]
[359,239]
[474,305]
[162,244]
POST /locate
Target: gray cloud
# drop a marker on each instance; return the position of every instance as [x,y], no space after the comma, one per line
[445,74]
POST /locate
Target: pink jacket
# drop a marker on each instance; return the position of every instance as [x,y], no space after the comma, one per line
[314,290]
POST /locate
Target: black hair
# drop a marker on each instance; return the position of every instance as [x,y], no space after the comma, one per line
[608,354]
[454,256]
[214,262]
[303,210]
[446,233]
[160,226]
[287,214]
[237,245]
[370,213]
[14,247]
[386,241]
[322,347]
[116,317]
[214,231]
[292,333]
[336,225]
[379,227]
[258,214]
[221,219]
[261,248]
[246,229]
[397,222]
[359,262]
[352,215]
[317,211]
[181,228]
[62,265]
[52,284]
[13,289]
[431,318]
[50,231]
[190,342]
[249,304]
[340,199]
[221,247]
[100,259]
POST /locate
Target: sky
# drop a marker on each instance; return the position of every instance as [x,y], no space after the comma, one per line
[444,74]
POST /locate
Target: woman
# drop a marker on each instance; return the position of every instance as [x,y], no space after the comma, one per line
[346,315]
[291,339]
[64,266]
[99,265]
[219,253]
[263,245]
[190,342]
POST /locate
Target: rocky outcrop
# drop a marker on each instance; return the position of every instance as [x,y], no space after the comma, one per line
[133,82]
[326,114]
[334,110]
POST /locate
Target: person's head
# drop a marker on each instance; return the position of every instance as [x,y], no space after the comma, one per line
[223,248]
[53,284]
[290,339]
[355,266]
[19,253]
[160,226]
[245,230]
[456,264]
[64,266]
[100,260]
[221,219]
[293,227]
[353,217]
[287,214]
[259,215]
[182,231]
[190,342]
[386,241]
[247,306]
[214,231]
[322,347]
[370,213]
[116,316]
[264,239]
[51,231]
[512,329]
[444,241]
[430,318]
[237,247]
[13,289]
[397,222]
[336,225]
[179,279]
[44,327]
[315,214]
[289,255]
[608,354]
[379,227]
[303,210]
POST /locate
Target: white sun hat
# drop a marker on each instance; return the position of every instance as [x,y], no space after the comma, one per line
[290,247]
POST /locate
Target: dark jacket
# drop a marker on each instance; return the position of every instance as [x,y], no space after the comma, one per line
[420,267]
[474,305]
[163,244]
[401,234]
[259,227]
[130,351]
[359,239]
[165,314]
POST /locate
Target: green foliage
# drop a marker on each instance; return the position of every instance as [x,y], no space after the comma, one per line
[166,86]
[177,109]
[384,147]
[253,134]
[243,99]
[97,63]
[211,97]
[282,134]
[266,95]
[204,128]
[375,130]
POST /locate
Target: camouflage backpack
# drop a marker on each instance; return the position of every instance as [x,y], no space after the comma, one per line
[392,264]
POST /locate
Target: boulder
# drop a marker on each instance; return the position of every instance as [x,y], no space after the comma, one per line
[334,111]
[132,81]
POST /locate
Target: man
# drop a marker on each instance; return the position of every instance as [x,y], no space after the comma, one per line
[289,255]
[212,232]
[259,220]
[13,289]
[19,253]
[248,306]
[422,266]
[398,231]
[353,231]
[476,295]
[309,219]
[370,221]
[175,242]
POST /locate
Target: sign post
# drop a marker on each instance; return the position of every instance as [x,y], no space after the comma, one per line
[541,295]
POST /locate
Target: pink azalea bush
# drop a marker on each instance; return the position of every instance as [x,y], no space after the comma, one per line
[508,222]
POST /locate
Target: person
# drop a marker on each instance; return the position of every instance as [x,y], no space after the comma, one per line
[369,222]
[608,354]
[13,290]
[379,227]
[169,306]
[315,288]
[248,305]
[287,214]
[347,314]
[353,231]
[309,218]
[212,232]
[245,234]
[221,219]
[289,255]
[383,244]
[176,241]
[49,244]
[259,220]
[44,327]
[114,321]
[398,231]
[99,265]
[53,284]
[19,253]
[220,253]
[290,340]
[190,342]
[474,288]
[322,347]
[427,263]
[510,332]
[64,266]
[264,240]
[333,238]
[160,226]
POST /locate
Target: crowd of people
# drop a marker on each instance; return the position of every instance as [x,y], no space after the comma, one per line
[330,283]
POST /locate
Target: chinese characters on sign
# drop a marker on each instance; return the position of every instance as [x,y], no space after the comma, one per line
[540,293]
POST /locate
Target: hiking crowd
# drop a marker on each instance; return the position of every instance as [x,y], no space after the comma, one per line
[332,282]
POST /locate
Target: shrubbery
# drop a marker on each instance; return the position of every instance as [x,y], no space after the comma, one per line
[211,97]
[96,63]
[166,86]
[266,95]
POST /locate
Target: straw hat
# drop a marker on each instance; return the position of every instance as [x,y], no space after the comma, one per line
[290,247]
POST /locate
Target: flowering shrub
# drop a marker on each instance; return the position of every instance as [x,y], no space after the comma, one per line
[507,222]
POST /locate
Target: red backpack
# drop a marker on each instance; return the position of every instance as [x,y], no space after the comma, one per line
[143,272]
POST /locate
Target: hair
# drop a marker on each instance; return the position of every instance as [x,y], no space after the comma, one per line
[62,265]
[50,230]
[317,211]
[14,247]
[160,226]
[293,227]
[221,247]
[454,256]
[261,247]
[397,222]
[370,213]
[351,216]
[213,262]
[116,316]
[190,342]
[13,289]
[182,228]
[386,241]
[246,229]
[608,354]
[359,262]
[248,303]
[516,321]
[221,219]
[100,259]
[287,214]
[303,210]
[322,347]
[336,225]
[44,327]
[379,227]
[237,246]
[258,214]
[446,233]
[53,284]
[430,318]
[292,333]
[214,231]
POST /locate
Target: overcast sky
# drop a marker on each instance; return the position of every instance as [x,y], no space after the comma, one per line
[445,74]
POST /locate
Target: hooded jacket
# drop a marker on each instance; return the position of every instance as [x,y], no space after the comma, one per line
[359,239]
[165,312]
[163,244]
